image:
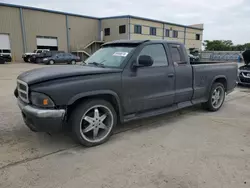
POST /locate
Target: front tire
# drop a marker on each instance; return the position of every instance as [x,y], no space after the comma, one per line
[73,62]
[216,97]
[93,122]
[25,59]
[51,62]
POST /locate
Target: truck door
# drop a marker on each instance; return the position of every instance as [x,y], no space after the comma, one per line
[152,87]
[183,74]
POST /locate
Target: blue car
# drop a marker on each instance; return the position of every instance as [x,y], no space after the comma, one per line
[61,57]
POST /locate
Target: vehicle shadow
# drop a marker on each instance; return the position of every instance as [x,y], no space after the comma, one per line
[21,145]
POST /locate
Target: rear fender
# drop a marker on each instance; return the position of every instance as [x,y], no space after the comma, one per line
[213,81]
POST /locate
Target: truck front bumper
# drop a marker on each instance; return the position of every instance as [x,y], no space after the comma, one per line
[42,120]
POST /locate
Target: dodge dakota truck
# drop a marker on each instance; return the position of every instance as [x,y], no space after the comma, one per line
[123,81]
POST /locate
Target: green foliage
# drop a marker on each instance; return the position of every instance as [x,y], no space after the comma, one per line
[224,45]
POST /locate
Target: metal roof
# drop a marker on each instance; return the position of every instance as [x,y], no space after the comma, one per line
[98,18]
[46,10]
[149,19]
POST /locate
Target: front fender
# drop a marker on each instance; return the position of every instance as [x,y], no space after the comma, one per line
[95,93]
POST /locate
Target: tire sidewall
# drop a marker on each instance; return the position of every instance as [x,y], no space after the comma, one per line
[51,61]
[73,62]
[76,117]
[215,85]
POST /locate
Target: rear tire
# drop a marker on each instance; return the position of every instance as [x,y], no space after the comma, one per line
[93,122]
[216,97]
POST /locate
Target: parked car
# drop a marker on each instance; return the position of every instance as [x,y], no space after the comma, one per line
[38,58]
[61,57]
[122,81]
[6,54]
[244,71]
[27,56]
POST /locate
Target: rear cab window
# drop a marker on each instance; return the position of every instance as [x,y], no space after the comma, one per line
[177,54]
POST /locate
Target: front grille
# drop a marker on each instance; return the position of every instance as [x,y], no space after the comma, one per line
[23,90]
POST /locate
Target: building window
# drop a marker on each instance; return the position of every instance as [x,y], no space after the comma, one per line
[197,36]
[107,31]
[167,32]
[137,29]
[122,29]
[175,34]
[152,31]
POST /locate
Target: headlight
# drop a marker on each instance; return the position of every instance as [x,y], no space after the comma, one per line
[45,59]
[41,100]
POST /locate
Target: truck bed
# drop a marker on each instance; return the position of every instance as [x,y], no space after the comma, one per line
[205,73]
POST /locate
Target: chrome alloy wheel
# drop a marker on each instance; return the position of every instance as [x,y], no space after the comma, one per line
[96,123]
[218,97]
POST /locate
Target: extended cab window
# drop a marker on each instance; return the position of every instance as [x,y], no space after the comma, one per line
[110,56]
[157,52]
[176,55]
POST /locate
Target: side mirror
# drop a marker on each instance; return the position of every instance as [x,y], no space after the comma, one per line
[145,61]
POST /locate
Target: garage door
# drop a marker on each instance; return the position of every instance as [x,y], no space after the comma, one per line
[47,43]
[4,42]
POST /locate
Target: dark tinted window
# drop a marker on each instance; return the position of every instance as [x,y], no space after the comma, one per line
[167,33]
[122,29]
[197,36]
[107,31]
[157,52]
[6,51]
[175,34]
[137,29]
[152,31]
[176,55]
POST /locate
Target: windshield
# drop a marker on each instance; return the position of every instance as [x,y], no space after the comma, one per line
[111,56]
[34,51]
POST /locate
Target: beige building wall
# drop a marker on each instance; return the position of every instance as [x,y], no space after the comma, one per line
[40,23]
[181,32]
[10,24]
[191,41]
[145,29]
[82,31]
[113,24]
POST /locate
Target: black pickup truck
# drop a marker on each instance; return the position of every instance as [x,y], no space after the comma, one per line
[122,81]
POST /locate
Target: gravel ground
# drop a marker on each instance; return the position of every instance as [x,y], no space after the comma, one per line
[189,148]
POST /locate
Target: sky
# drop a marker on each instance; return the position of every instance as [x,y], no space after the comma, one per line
[222,19]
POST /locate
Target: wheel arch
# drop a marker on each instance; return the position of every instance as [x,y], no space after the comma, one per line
[220,79]
[107,95]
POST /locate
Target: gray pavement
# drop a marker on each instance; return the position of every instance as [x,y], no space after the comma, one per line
[189,148]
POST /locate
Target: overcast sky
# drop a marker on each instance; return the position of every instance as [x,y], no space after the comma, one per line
[223,19]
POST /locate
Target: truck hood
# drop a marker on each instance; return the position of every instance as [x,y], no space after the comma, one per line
[49,73]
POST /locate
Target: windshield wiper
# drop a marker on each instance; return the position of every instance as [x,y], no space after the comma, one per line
[97,64]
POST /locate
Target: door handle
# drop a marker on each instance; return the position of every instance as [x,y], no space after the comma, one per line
[171,75]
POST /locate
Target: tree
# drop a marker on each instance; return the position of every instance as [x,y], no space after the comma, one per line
[218,45]
[224,45]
